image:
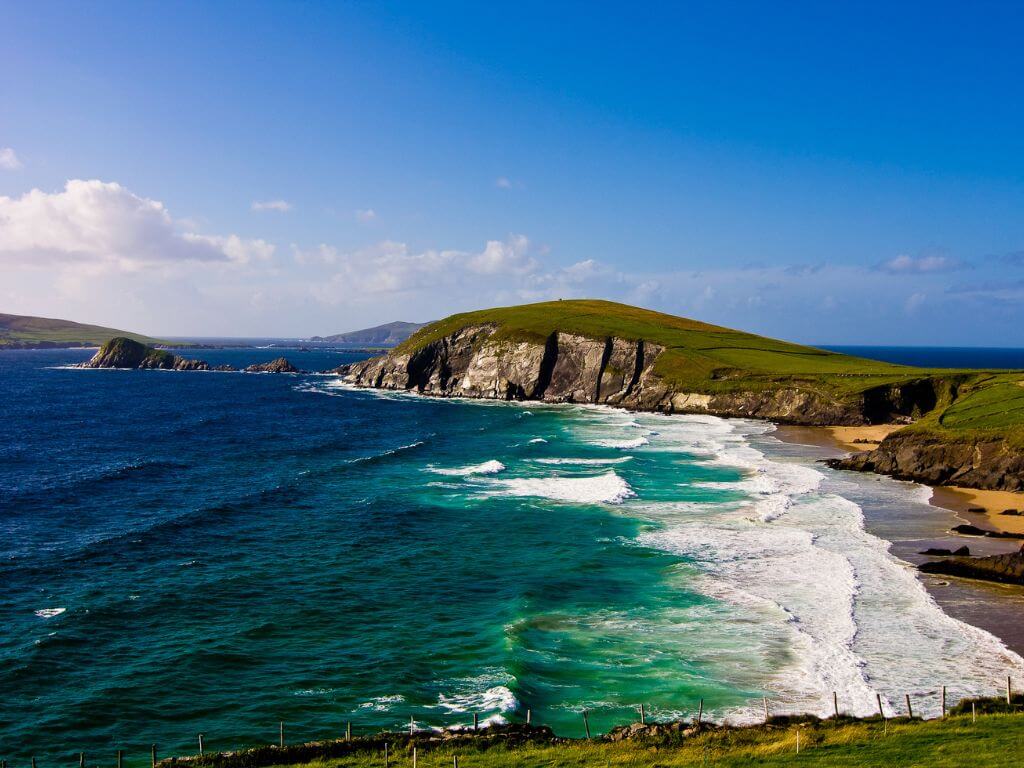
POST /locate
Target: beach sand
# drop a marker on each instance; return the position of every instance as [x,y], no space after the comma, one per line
[841,438]
[961,500]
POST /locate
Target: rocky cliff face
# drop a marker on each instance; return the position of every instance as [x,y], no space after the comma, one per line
[122,352]
[927,459]
[567,368]
[280,365]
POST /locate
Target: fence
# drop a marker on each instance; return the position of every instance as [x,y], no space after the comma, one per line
[389,743]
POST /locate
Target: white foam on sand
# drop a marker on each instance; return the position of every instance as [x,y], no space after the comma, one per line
[486,468]
[607,488]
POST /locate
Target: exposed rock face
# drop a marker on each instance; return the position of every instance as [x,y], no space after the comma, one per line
[1008,569]
[122,352]
[280,365]
[567,368]
[925,458]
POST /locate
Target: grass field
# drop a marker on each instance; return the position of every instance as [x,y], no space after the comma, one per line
[993,740]
[709,359]
[28,331]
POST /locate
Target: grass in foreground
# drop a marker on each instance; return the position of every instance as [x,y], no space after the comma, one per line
[994,740]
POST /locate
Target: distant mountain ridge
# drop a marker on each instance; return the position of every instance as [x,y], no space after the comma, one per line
[28,332]
[389,334]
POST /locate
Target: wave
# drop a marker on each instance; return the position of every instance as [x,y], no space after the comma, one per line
[486,468]
[536,440]
[623,444]
[584,462]
[608,488]
[49,613]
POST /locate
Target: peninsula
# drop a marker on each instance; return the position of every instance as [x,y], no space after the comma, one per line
[957,427]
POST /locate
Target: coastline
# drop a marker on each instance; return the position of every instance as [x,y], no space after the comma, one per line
[952,498]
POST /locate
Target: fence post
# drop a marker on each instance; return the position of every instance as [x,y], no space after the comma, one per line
[586,724]
[881,712]
[910,709]
[527,717]
[33,762]
[348,731]
[943,701]
[643,720]
[764,700]
[974,713]
[455,761]
[414,757]
[476,721]
[81,760]
[412,725]
[152,755]
[835,703]
[386,760]
[798,741]
[1008,692]
[200,745]
[700,712]
[120,759]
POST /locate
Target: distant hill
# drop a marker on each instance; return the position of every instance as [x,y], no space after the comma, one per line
[27,332]
[388,334]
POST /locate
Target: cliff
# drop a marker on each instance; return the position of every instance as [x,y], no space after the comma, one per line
[990,462]
[477,361]
[122,352]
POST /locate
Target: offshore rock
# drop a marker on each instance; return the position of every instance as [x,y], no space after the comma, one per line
[1007,569]
[122,352]
[280,365]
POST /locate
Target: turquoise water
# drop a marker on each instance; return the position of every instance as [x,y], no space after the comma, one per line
[216,553]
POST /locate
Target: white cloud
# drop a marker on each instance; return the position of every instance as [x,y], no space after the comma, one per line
[503,182]
[366,215]
[9,159]
[914,302]
[508,257]
[281,206]
[904,264]
[103,224]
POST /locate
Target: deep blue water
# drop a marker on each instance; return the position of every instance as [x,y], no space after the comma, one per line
[218,552]
[940,357]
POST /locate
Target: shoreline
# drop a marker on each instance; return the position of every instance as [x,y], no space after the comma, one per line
[956,499]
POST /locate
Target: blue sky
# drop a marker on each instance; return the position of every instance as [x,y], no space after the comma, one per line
[830,173]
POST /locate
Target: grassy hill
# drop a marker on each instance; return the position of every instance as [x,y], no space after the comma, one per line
[705,358]
[27,331]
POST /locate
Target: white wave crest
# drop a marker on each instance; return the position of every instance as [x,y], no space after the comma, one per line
[49,613]
[584,462]
[608,488]
[623,445]
[487,468]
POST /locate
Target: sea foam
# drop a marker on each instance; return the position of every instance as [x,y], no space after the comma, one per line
[486,468]
[607,488]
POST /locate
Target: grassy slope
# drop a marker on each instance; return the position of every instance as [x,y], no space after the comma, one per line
[34,330]
[708,358]
[994,740]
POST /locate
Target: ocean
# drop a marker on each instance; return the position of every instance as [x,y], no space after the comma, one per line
[218,553]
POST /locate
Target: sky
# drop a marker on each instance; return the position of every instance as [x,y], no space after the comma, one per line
[832,173]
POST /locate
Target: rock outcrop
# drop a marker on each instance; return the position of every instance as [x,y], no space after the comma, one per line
[280,365]
[477,362]
[1008,569]
[121,352]
[934,460]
